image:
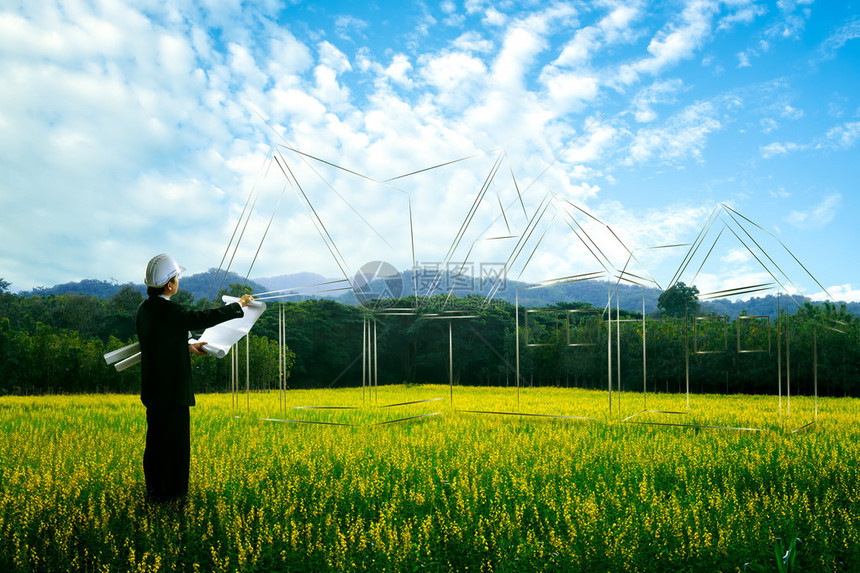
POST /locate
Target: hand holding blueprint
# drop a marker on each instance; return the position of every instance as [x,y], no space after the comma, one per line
[221,337]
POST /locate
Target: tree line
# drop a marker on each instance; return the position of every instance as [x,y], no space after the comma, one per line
[56,343]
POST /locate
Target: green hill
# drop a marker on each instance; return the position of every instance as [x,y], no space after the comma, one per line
[198,285]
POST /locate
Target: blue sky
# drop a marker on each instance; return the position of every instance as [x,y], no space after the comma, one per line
[133,128]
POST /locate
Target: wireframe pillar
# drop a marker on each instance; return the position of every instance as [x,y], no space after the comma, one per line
[517,337]
[234,383]
[687,352]
[282,361]
[375,365]
[815,372]
[618,345]
[609,340]
[451,360]
[363,358]
[370,362]
[788,365]
[779,352]
[644,356]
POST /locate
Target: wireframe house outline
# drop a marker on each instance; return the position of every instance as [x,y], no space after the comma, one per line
[497,210]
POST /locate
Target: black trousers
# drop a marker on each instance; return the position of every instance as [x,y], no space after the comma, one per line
[167,457]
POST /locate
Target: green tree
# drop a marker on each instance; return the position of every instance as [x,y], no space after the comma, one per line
[121,313]
[80,313]
[126,300]
[679,298]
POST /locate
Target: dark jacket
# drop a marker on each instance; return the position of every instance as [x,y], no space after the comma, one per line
[162,330]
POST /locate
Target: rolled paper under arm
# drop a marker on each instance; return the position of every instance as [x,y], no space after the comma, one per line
[121,354]
[130,361]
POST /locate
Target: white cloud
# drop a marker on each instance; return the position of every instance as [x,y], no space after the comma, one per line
[493,17]
[745,14]
[662,91]
[243,66]
[454,20]
[790,112]
[840,137]
[296,102]
[524,40]
[580,49]
[332,62]
[839,293]
[456,77]
[288,57]
[595,144]
[795,14]
[777,148]
[399,70]
[737,257]
[571,92]
[682,136]
[333,58]
[64,41]
[768,124]
[673,43]
[521,46]
[474,6]
[847,32]
[817,216]
[617,25]
[423,25]
[843,136]
[473,42]
[346,26]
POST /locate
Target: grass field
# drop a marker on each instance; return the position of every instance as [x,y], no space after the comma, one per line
[450,491]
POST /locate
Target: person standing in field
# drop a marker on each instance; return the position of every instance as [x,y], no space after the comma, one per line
[163,332]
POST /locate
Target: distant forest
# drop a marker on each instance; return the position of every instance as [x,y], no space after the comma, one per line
[54,343]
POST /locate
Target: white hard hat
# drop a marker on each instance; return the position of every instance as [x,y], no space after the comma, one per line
[160,269]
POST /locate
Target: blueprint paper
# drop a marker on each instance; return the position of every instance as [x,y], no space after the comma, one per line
[221,337]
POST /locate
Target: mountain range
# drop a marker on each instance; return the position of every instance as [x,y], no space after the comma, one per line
[304,285]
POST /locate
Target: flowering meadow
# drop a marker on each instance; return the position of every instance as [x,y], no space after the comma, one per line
[447,490]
